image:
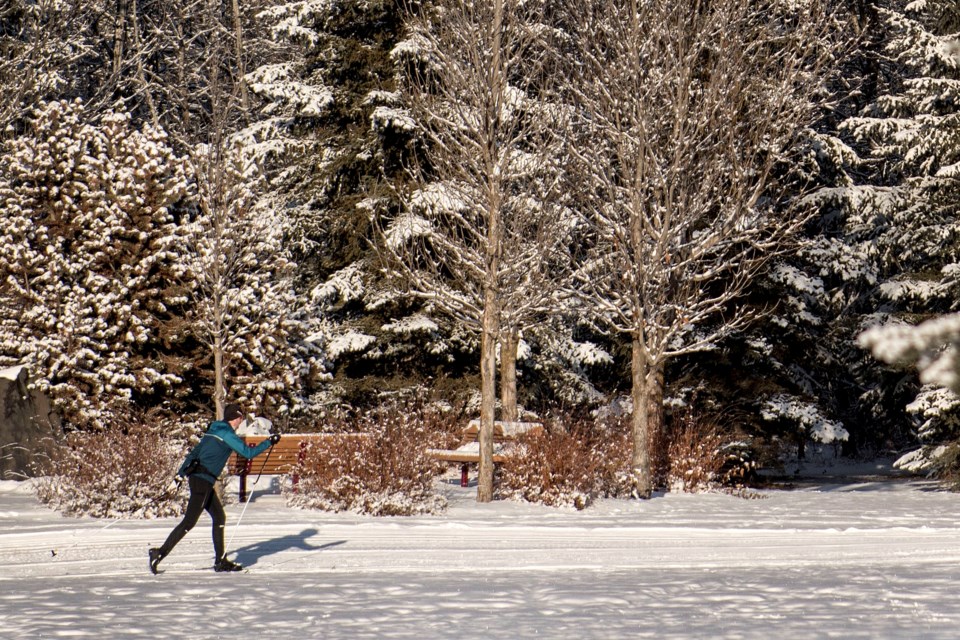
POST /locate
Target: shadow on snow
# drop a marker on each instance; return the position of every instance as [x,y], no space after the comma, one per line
[251,554]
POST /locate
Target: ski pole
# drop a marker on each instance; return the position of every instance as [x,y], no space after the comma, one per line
[247,503]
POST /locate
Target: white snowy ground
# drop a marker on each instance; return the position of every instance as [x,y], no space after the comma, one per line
[870,560]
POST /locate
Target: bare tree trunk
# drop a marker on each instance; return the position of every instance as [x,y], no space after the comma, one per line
[640,464]
[118,37]
[509,343]
[138,51]
[219,389]
[655,425]
[490,325]
[241,68]
[182,83]
[488,394]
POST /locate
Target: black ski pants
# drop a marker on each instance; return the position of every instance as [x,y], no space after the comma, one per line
[202,497]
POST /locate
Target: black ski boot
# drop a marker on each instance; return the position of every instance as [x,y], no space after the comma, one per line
[155,558]
[225,565]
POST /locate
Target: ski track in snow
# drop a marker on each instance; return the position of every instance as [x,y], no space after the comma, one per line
[877,560]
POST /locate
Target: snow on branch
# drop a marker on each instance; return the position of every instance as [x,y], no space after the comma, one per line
[804,414]
[274,82]
[345,285]
[932,346]
[417,323]
[350,342]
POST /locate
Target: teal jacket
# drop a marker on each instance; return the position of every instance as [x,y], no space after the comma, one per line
[214,449]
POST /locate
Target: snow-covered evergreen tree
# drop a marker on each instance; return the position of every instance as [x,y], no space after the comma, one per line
[88,259]
[331,136]
[907,215]
[879,243]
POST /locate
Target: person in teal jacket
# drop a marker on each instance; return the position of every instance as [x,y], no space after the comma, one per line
[201,468]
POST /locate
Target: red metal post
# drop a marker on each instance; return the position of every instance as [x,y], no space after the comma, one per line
[301,454]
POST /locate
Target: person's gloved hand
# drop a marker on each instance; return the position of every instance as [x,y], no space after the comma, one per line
[274,438]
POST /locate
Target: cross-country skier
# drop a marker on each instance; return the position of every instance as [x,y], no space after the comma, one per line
[202,467]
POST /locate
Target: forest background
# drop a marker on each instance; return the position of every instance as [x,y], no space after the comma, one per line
[205,199]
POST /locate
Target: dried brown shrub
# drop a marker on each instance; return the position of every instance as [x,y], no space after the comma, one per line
[377,466]
[702,456]
[123,469]
[577,460]
[573,462]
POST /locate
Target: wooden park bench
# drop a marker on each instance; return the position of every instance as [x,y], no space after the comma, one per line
[282,460]
[505,436]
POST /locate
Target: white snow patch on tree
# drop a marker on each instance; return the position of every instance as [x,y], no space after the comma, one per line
[384,118]
[588,353]
[919,460]
[406,227]
[416,323]
[345,285]
[439,197]
[931,345]
[909,289]
[935,406]
[797,280]
[350,342]
[805,415]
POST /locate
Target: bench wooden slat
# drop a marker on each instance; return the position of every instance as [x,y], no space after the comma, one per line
[282,459]
[504,435]
[504,431]
[455,455]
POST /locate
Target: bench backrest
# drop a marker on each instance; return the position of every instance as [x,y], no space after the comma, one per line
[502,431]
[283,458]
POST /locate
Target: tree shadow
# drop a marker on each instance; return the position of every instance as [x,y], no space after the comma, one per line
[249,555]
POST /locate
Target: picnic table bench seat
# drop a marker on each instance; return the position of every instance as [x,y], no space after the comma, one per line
[505,436]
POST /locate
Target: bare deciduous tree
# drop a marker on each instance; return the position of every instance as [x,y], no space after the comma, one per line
[687,110]
[482,226]
[241,274]
[241,278]
[37,44]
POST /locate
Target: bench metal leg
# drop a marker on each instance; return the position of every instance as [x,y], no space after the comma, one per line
[301,454]
[465,474]
[243,488]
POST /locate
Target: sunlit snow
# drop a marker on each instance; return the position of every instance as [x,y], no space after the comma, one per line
[863,560]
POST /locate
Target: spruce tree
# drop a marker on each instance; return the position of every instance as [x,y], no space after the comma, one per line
[333,135]
[87,259]
[910,207]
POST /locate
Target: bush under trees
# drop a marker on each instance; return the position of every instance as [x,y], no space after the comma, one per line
[125,468]
[573,464]
[378,467]
[568,467]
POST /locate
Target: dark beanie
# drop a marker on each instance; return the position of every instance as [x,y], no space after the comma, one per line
[232,412]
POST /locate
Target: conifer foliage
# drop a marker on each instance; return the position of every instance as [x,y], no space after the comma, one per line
[331,135]
[87,249]
[912,205]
